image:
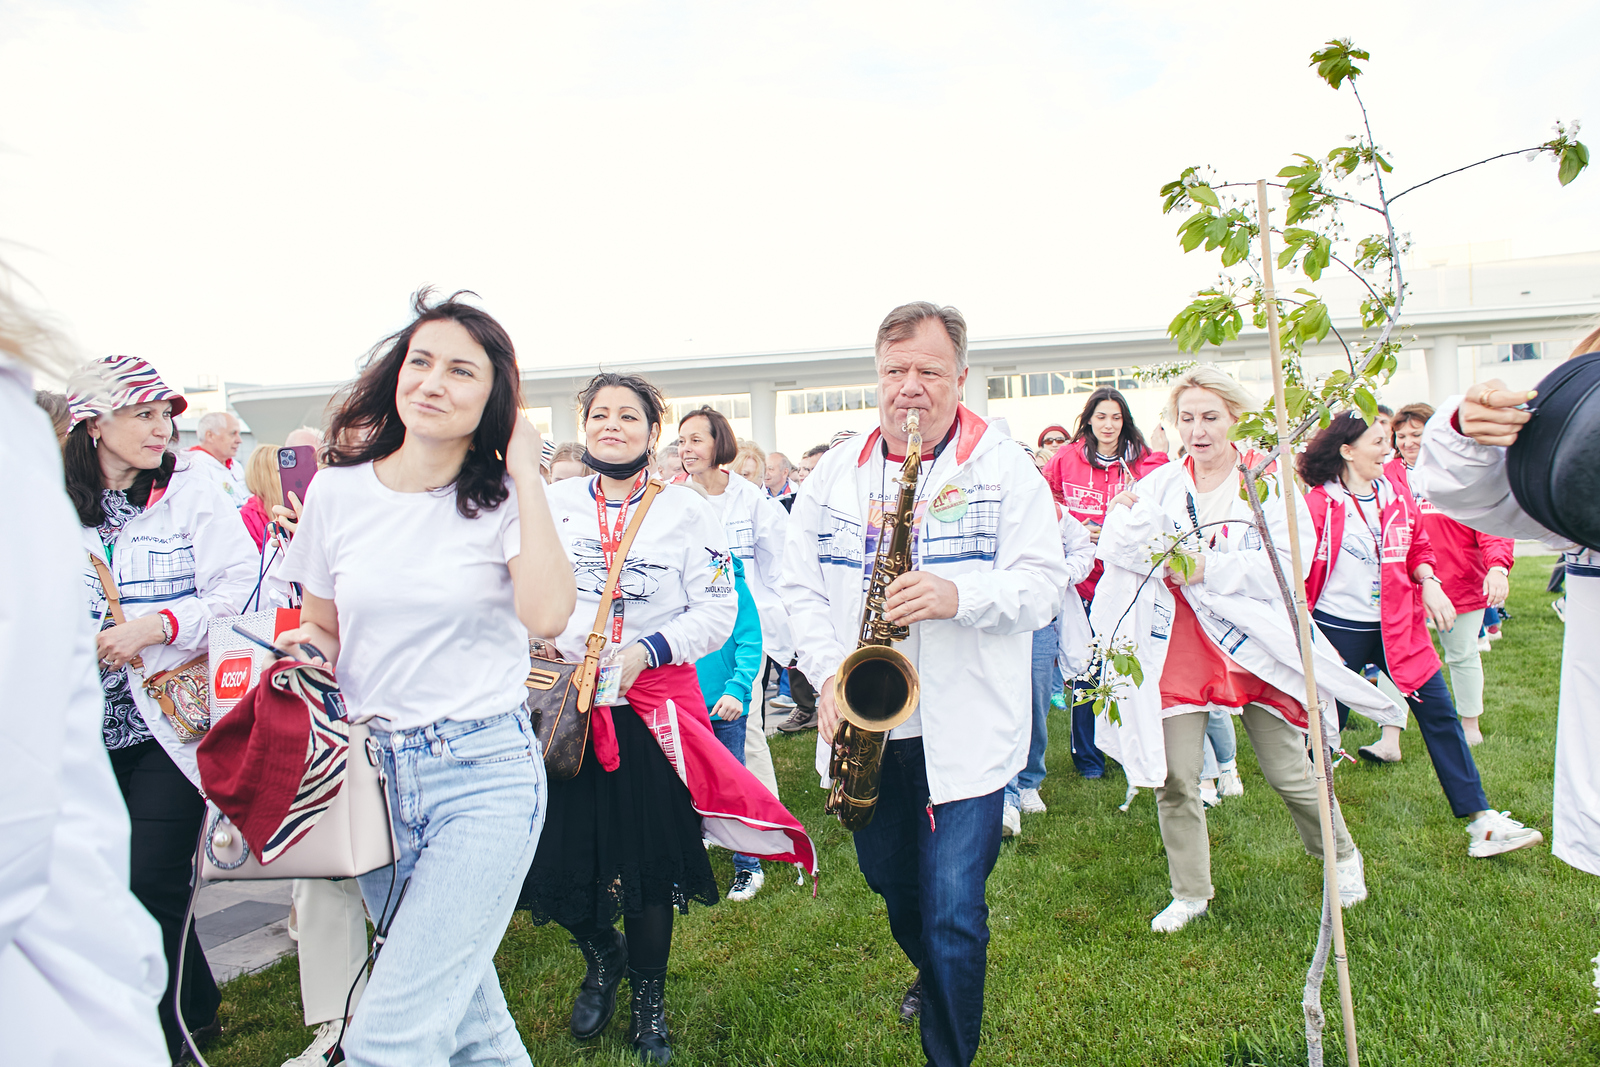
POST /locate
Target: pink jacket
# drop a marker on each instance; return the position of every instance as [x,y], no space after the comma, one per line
[1085,489]
[1406,644]
[1464,554]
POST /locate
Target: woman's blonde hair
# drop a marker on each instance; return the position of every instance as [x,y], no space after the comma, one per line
[27,336]
[1587,345]
[1208,376]
[261,476]
[750,450]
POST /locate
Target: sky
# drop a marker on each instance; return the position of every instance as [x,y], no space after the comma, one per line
[252,190]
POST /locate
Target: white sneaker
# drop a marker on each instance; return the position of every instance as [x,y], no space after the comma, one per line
[1229,784]
[1494,832]
[1209,797]
[1177,915]
[1032,803]
[1483,645]
[322,1049]
[1352,881]
[1559,606]
[746,884]
[1011,822]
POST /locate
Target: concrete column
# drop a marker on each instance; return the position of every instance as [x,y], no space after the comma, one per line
[764,415]
[1444,369]
[977,390]
[563,418]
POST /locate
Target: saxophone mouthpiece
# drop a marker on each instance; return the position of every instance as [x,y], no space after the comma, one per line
[913,418]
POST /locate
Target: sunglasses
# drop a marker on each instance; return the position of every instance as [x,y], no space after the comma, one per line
[1053,439]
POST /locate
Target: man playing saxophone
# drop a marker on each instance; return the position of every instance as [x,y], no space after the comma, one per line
[986,569]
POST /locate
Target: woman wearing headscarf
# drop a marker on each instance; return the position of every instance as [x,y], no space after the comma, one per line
[1372,588]
[177,557]
[1213,635]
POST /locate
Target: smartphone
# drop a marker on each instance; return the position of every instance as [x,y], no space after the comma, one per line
[296,466]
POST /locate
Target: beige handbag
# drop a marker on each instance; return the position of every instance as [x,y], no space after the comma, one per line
[355,835]
[183,693]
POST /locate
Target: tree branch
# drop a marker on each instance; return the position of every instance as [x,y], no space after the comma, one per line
[1458,170]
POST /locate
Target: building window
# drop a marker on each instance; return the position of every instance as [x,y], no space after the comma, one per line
[812,401]
[1515,353]
[1058,383]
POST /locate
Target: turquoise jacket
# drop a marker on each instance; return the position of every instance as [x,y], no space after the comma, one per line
[731,670]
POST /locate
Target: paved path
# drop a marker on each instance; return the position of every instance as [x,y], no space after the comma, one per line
[243,926]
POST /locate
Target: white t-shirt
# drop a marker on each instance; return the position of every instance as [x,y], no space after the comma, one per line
[677,581]
[1352,589]
[1216,505]
[428,626]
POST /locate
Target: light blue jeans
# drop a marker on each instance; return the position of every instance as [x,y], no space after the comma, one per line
[468,801]
[1221,746]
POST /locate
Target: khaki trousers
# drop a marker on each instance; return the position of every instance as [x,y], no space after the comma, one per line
[757,756]
[331,927]
[1280,751]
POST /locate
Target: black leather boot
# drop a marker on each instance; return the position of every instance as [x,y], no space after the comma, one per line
[648,1030]
[596,1003]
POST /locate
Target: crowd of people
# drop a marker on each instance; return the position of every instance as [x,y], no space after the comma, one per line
[443,550]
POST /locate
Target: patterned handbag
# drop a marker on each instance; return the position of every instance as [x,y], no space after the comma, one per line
[561,694]
[184,692]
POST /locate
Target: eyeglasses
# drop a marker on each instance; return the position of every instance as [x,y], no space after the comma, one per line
[1055,439]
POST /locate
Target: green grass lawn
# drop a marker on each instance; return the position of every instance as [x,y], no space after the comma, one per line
[1454,960]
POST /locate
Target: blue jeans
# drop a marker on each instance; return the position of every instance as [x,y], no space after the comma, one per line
[1046,683]
[1221,745]
[1362,642]
[930,869]
[732,735]
[468,802]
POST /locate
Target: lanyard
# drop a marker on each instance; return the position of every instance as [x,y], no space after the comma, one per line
[609,540]
[1374,530]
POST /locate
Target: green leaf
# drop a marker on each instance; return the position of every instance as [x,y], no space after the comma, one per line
[1113,713]
[1335,62]
[1367,403]
[1204,194]
[1262,492]
[1574,158]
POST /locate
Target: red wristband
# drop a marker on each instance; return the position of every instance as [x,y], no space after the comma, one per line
[1455,421]
[173,619]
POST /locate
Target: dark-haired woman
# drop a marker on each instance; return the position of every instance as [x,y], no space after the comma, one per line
[1107,454]
[624,835]
[1474,566]
[426,560]
[1371,586]
[755,524]
[178,557]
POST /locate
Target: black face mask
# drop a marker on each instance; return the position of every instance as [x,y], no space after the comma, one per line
[626,469]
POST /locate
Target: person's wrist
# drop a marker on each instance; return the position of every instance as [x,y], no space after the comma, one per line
[1500,571]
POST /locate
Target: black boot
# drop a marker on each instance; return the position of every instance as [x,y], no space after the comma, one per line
[648,1030]
[596,1003]
[911,1003]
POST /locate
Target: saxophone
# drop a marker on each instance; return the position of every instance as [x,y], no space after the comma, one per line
[876,688]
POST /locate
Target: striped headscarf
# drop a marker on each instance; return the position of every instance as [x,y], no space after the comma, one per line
[104,385]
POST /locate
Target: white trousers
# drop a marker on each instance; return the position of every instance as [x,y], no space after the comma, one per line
[331,926]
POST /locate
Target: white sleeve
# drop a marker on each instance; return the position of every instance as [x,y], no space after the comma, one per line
[1467,481]
[1132,533]
[1078,547]
[804,591]
[1023,590]
[226,566]
[706,622]
[307,560]
[770,521]
[510,518]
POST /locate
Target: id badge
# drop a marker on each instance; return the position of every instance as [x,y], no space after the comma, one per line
[608,682]
[1377,589]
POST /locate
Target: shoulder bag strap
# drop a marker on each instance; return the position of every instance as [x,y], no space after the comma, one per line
[597,638]
[108,585]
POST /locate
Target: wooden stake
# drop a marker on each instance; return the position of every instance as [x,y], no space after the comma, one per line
[1319,747]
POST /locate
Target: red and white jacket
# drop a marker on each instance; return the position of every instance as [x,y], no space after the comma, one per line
[1085,489]
[1406,644]
[1464,554]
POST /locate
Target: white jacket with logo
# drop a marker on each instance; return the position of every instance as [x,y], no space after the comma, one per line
[81,967]
[1467,481]
[755,524]
[188,553]
[1004,554]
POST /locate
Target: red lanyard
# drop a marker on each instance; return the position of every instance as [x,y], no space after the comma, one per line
[609,540]
[1374,530]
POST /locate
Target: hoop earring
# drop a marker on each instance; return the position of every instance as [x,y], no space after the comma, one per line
[94,442]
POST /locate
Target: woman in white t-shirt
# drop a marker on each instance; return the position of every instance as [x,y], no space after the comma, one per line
[623,835]
[427,559]
[1371,585]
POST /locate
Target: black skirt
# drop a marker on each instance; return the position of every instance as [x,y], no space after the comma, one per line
[616,842]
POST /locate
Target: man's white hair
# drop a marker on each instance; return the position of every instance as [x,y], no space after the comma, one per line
[215,422]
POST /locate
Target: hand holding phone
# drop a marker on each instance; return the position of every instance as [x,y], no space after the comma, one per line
[296,467]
